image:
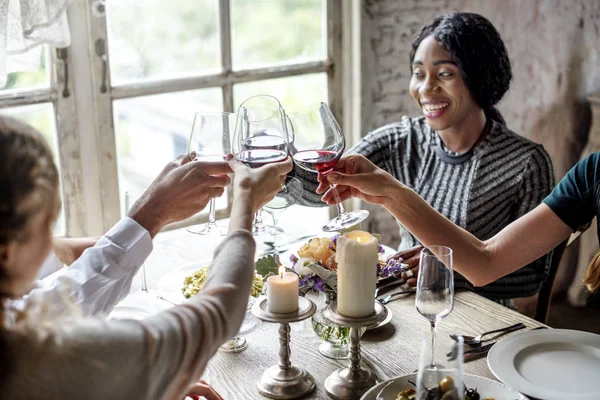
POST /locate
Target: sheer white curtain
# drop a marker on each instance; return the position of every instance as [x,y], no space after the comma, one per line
[27,24]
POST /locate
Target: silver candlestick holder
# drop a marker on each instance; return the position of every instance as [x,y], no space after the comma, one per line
[285,381]
[352,382]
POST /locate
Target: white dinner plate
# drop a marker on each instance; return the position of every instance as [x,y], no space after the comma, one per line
[552,364]
[170,285]
[486,388]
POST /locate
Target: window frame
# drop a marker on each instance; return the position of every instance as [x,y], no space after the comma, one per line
[60,95]
[84,116]
[224,79]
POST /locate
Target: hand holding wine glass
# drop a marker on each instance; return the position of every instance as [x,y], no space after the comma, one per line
[318,145]
[435,288]
[210,140]
[261,138]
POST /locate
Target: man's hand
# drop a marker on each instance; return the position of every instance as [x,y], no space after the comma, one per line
[182,189]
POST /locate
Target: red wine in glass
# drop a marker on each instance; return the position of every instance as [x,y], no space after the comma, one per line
[260,157]
[317,160]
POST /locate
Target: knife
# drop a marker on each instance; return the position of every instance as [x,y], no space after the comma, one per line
[471,354]
[477,352]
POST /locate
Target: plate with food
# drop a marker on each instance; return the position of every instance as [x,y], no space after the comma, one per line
[182,283]
[477,388]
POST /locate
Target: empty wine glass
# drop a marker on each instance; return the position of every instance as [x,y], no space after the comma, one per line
[211,141]
[239,343]
[435,288]
[261,138]
[318,145]
[434,382]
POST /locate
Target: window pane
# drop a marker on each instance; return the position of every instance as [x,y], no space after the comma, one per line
[33,74]
[41,117]
[153,130]
[293,92]
[267,32]
[162,39]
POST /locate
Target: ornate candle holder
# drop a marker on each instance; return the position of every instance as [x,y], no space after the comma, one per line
[352,382]
[285,381]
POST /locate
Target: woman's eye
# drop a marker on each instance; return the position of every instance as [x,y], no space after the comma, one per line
[418,74]
[445,74]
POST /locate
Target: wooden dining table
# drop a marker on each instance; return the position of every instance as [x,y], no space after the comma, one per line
[389,351]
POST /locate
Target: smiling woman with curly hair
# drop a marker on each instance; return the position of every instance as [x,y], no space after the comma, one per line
[459,155]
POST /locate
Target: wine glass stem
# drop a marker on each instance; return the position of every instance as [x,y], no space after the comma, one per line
[433,323]
[258,221]
[211,213]
[144,281]
[338,201]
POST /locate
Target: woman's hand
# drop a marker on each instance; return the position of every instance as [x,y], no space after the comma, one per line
[182,189]
[202,390]
[259,185]
[411,257]
[356,176]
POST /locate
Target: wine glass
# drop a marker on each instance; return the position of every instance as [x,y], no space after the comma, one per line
[288,196]
[261,138]
[239,343]
[211,140]
[447,382]
[435,288]
[318,145]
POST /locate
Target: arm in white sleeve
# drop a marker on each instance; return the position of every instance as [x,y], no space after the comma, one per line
[102,276]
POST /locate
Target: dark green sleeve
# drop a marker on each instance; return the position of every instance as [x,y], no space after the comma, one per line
[574,199]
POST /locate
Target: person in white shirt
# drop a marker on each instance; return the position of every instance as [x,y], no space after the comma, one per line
[47,347]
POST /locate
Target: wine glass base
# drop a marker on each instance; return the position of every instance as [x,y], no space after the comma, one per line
[346,220]
[207,229]
[266,230]
[236,344]
[334,352]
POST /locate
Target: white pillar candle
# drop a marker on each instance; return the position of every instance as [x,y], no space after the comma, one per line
[282,292]
[356,256]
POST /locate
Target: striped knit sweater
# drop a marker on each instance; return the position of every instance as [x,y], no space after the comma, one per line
[482,191]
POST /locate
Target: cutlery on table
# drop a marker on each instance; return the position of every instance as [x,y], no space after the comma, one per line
[471,354]
[392,296]
[476,340]
[388,286]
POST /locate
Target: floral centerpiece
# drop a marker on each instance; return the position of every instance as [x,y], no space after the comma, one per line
[316,267]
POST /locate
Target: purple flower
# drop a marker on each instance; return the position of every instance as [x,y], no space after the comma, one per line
[380,249]
[293,259]
[392,267]
[334,239]
[304,280]
[318,285]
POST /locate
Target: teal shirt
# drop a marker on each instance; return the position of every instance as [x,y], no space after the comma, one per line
[575,199]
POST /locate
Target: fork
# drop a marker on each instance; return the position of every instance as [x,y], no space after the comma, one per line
[390,297]
[476,340]
[389,285]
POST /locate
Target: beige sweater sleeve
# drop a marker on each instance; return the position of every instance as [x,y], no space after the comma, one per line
[156,358]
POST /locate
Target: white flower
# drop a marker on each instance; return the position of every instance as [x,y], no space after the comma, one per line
[300,267]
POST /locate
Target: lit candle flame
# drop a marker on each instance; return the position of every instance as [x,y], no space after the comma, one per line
[358,239]
[281,271]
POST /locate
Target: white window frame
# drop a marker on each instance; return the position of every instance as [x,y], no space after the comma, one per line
[85,123]
[60,95]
